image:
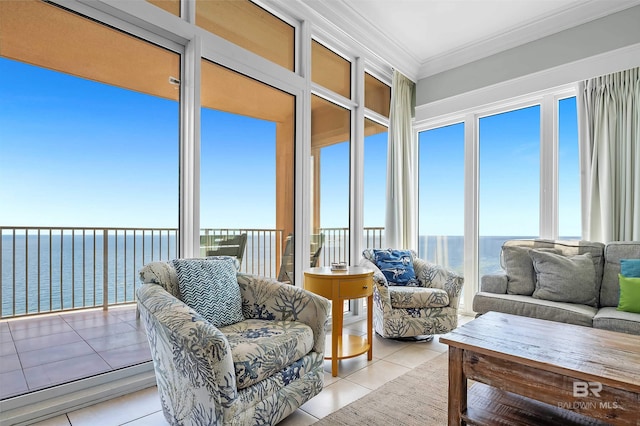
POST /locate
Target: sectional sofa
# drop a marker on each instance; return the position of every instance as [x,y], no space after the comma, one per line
[571,295]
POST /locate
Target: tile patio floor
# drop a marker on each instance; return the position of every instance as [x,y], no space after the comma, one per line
[46,350]
[42,351]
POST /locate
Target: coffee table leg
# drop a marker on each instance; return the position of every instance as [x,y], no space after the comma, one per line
[457,387]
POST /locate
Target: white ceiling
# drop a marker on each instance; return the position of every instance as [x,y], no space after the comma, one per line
[424,37]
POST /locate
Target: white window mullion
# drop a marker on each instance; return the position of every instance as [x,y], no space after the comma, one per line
[549,167]
[303,208]
[190,151]
[357,165]
[471,212]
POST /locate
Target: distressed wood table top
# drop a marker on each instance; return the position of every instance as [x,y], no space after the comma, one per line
[576,370]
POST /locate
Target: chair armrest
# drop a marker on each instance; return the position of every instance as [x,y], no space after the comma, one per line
[494,283]
[266,298]
[437,276]
[381,296]
[190,355]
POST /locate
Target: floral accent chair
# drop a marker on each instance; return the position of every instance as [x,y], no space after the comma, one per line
[411,296]
[254,371]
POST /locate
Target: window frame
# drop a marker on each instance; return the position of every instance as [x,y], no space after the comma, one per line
[548,226]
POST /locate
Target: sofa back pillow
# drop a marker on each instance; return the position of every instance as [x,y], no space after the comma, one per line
[210,287]
[564,279]
[614,253]
[521,277]
[570,248]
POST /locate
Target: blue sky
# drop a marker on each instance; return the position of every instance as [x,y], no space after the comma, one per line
[509,175]
[79,153]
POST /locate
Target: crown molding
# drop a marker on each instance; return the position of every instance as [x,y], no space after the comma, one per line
[552,23]
[338,16]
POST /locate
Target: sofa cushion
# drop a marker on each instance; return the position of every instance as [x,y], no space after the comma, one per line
[527,306]
[261,348]
[521,278]
[610,318]
[569,248]
[417,297]
[564,279]
[614,252]
[397,266]
[630,267]
[629,294]
[210,287]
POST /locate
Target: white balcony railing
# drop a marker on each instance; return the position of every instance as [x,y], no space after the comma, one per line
[46,270]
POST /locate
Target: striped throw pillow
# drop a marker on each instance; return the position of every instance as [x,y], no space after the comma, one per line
[210,287]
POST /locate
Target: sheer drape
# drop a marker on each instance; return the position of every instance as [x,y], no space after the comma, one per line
[609,115]
[400,220]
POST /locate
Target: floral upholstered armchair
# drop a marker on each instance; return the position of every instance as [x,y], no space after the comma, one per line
[257,370]
[411,296]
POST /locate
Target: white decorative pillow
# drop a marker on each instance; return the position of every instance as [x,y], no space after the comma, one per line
[564,279]
[210,287]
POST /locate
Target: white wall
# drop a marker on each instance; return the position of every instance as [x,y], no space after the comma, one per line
[598,47]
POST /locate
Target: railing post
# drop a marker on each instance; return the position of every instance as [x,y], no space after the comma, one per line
[105,270]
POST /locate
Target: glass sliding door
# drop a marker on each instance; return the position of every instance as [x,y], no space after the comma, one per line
[509,182]
[89,131]
[441,196]
[247,172]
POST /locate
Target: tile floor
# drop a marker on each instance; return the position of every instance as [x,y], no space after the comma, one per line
[38,352]
[356,378]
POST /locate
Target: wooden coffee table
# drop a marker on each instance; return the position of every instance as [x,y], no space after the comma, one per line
[537,372]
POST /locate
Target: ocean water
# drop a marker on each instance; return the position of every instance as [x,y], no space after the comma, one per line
[57,271]
[50,272]
[449,251]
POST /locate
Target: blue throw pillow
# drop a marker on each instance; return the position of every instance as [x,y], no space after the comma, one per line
[630,267]
[397,266]
[210,287]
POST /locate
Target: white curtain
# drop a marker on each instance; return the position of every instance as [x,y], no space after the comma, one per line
[609,117]
[402,163]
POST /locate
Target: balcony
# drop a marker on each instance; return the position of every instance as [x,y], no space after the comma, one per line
[68,295]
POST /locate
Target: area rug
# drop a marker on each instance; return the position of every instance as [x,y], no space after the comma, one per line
[418,397]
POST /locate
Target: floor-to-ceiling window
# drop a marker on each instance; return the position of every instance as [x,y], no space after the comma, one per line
[330,154]
[89,182]
[375,183]
[509,181]
[377,99]
[511,189]
[247,154]
[441,196]
[192,149]
[247,166]
[569,213]
[89,133]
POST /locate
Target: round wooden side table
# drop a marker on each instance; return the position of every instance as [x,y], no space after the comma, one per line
[353,283]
